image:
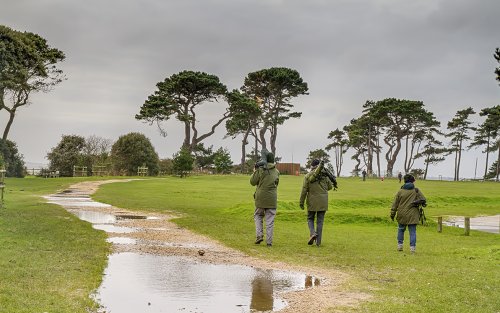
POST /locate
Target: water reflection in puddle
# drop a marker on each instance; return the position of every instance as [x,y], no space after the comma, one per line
[151,283]
[95,217]
[76,202]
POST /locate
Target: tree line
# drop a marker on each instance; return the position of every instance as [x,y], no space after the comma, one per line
[127,154]
[392,127]
[255,111]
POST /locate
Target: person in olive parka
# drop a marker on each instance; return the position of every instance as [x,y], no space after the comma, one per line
[407,211]
[266,178]
[315,190]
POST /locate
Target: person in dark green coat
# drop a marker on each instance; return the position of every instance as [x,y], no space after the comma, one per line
[266,178]
[315,194]
[406,211]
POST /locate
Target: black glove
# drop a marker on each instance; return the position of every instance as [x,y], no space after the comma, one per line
[392,218]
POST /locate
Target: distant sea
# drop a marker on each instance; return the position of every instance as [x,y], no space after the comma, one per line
[35,165]
[441,178]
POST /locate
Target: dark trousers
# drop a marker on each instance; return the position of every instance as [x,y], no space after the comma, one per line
[320,217]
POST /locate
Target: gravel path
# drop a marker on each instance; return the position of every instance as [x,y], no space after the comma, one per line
[157,234]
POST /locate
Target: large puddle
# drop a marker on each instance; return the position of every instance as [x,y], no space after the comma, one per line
[140,282]
[490,224]
[150,283]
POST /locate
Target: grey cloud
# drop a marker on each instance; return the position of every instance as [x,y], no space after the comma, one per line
[349,51]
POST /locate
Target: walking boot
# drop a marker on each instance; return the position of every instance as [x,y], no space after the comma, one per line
[312,239]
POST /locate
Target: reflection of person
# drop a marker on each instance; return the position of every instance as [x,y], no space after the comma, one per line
[364,175]
[407,212]
[262,294]
[309,282]
[316,193]
[400,176]
[266,178]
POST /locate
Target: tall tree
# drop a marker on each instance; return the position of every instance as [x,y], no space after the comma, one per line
[203,157]
[222,161]
[11,160]
[487,132]
[432,151]
[459,128]
[356,133]
[245,114]
[67,153]
[398,118]
[131,151]
[180,95]
[96,152]
[497,147]
[424,127]
[275,88]
[339,146]
[27,65]
[494,171]
[497,57]
[498,158]
[369,124]
[369,131]
[319,154]
[183,162]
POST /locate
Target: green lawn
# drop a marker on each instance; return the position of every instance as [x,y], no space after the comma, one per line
[450,272]
[50,261]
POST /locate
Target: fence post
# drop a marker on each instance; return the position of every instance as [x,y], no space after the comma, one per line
[440,224]
[467,226]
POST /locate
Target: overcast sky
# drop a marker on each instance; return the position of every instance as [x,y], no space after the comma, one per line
[436,51]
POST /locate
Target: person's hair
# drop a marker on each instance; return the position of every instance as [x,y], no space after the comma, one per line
[409,178]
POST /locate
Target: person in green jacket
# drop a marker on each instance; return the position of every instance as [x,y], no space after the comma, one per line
[266,178]
[315,194]
[406,209]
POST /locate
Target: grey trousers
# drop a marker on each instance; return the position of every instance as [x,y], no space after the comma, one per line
[320,217]
[258,217]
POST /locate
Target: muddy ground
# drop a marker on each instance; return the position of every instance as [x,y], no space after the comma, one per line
[166,238]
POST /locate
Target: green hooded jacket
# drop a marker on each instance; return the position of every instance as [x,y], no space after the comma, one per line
[407,213]
[315,193]
[266,180]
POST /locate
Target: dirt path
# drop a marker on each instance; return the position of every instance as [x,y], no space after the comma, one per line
[166,238]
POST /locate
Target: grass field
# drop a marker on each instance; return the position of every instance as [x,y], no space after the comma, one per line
[51,261]
[450,272]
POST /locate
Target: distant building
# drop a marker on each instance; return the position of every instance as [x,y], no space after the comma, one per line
[288,168]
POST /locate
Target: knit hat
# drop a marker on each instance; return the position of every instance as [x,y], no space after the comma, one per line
[409,178]
[270,157]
